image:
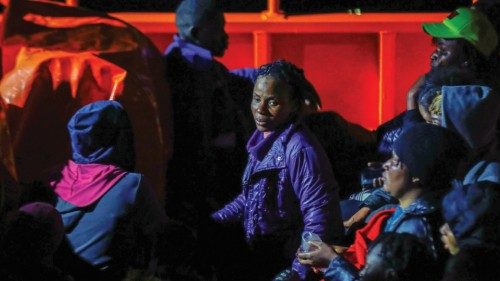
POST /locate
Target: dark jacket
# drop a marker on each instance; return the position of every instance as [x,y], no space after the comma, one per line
[212,123]
[287,188]
[421,218]
[341,270]
[471,207]
[389,132]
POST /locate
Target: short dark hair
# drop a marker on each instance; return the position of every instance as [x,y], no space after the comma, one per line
[293,76]
[193,13]
[407,255]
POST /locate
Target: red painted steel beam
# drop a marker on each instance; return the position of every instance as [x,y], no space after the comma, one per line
[319,23]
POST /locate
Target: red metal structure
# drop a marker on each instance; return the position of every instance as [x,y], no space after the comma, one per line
[361,64]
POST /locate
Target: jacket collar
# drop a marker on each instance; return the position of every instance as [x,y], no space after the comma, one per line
[199,57]
[269,153]
[423,205]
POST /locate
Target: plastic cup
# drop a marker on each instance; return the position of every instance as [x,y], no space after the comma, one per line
[307,237]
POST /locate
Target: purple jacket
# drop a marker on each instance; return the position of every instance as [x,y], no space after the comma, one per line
[288,188]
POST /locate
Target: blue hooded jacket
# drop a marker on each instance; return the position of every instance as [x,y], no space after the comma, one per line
[105,231]
[471,207]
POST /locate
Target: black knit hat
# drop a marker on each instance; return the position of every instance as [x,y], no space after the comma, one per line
[430,152]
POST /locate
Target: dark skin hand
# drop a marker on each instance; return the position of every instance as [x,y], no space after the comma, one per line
[448,239]
[358,217]
[320,256]
[411,96]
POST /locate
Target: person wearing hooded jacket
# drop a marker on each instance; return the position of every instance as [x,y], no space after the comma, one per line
[110,215]
[470,208]
[424,160]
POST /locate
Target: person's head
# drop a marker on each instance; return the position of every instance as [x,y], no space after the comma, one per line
[398,256]
[429,97]
[466,39]
[426,157]
[280,93]
[202,22]
[101,133]
[32,234]
[474,263]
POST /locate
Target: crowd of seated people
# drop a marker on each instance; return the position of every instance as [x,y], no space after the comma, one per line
[264,186]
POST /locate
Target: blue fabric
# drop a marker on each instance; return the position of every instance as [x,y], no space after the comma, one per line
[378,198]
[202,59]
[349,207]
[472,111]
[288,188]
[390,131]
[471,207]
[91,231]
[101,133]
[416,219]
[412,117]
[341,270]
[198,57]
[248,73]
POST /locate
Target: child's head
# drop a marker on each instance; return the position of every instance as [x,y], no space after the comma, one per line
[398,256]
[429,99]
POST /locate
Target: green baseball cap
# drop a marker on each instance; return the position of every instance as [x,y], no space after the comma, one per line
[468,24]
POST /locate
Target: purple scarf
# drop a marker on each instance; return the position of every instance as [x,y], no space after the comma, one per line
[84,184]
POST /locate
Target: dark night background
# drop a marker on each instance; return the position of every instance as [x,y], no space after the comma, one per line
[289,6]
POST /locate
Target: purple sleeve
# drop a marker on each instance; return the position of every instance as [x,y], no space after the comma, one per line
[248,73]
[232,212]
[315,187]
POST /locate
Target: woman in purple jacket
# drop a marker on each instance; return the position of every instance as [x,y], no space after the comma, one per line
[288,185]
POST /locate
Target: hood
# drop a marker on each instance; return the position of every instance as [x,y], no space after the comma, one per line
[472,111]
[101,133]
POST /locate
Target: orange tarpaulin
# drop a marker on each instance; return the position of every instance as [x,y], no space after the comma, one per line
[71,57]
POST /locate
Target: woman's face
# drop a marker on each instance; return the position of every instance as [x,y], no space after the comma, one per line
[396,177]
[272,105]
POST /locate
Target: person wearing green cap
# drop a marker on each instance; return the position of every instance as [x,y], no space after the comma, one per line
[466,39]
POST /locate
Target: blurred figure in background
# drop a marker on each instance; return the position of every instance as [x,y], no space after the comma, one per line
[110,214]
